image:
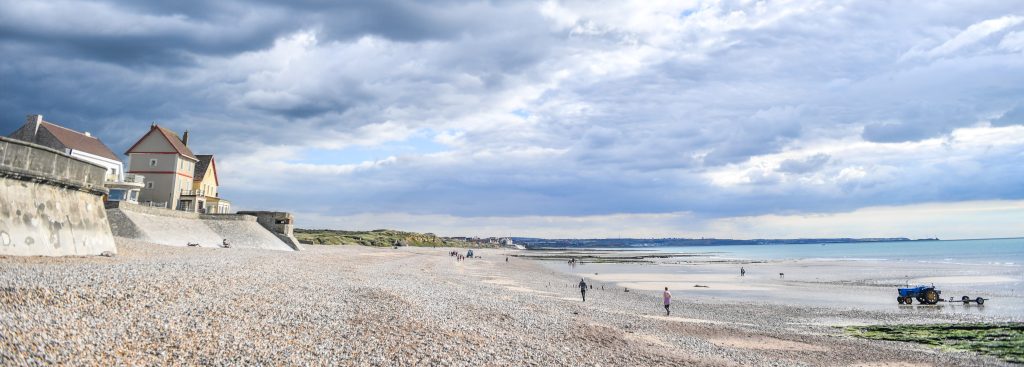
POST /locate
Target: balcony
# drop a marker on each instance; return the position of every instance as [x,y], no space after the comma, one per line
[134,178]
[199,193]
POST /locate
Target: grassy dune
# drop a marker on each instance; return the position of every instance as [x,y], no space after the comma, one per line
[376,238]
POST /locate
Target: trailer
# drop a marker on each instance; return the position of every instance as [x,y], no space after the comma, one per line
[928,295]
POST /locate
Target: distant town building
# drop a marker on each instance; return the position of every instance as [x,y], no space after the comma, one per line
[176,177]
[86,147]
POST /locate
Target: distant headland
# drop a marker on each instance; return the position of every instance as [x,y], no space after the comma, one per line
[679,242]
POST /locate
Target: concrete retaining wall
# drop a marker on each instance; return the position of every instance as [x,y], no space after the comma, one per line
[282,224]
[50,203]
[178,228]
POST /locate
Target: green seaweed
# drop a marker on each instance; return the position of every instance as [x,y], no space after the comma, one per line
[1003,340]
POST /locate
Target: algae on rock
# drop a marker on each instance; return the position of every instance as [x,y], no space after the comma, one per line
[1005,341]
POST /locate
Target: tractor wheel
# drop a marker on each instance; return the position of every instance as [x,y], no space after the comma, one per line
[980,301]
[908,300]
[931,297]
[966,299]
[900,300]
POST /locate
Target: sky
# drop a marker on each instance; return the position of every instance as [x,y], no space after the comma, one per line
[729,119]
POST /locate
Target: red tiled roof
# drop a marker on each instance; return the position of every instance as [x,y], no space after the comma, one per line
[171,137]
[79,141]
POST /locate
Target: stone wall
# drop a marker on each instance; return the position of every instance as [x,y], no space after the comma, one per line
[50,203]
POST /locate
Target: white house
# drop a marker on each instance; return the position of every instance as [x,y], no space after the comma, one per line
[83,146]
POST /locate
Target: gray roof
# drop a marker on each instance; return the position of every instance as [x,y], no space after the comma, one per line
[204,163]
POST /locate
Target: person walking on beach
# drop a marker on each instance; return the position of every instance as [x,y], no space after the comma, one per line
[583,290]
[667,298]
[743,271]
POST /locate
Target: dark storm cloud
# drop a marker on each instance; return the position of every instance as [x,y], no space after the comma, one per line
[169,33]
[540,108]
[137,36]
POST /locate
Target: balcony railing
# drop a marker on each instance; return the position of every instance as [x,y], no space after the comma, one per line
[202,193]
[133,178]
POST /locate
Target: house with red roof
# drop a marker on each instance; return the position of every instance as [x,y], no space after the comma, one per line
[176,178]
[168,164]
[84,146]
[77,144]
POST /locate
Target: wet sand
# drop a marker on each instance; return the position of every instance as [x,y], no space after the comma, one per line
[861,284]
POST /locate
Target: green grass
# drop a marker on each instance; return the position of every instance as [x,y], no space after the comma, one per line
[1005,341]
[376,238]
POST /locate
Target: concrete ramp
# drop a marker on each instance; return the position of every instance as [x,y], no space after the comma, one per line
[176,228]
[247,232]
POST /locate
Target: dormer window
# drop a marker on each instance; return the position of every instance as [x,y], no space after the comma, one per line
[152,162]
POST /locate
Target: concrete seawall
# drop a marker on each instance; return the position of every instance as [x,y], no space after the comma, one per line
[50,203]
[281,224]
[178,228]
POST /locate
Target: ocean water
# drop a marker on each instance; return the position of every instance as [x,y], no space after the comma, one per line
[1009,252]
[863,275]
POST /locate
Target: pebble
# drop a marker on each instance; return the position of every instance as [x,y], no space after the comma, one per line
[346,305]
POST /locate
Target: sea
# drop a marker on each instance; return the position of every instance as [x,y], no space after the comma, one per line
[1003,251]
[867,273]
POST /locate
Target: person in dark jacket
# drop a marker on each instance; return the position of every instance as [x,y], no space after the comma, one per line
[666,298]
[583,289]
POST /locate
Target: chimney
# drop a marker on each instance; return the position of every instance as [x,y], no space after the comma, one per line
[184,138]
[35,120]
[152,125]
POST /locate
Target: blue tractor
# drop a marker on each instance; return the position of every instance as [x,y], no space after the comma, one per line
[925,295]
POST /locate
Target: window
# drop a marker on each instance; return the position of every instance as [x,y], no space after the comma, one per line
[149,185]
[152,162]
[116,195]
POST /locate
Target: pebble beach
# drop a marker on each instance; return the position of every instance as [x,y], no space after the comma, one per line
[361,306]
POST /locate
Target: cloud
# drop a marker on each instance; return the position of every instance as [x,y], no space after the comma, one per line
[544,109]
[1014,116]
[805,165]
[976,32]
[1013,42]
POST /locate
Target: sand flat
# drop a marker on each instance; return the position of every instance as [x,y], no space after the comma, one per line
[966,279]
[765,343]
